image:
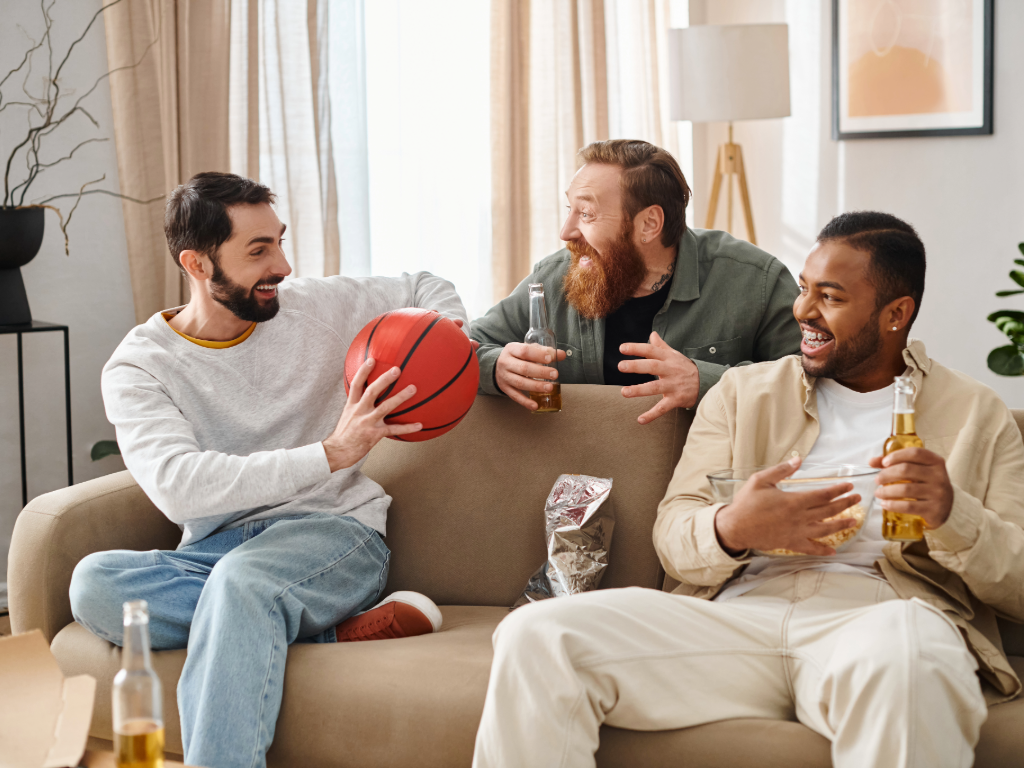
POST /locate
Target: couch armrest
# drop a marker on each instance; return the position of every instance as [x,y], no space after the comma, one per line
[58,529]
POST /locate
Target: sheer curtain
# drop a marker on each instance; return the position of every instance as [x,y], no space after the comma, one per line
[280,121]
[427,117]
[370,121]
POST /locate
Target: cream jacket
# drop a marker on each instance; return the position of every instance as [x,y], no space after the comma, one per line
[972,567]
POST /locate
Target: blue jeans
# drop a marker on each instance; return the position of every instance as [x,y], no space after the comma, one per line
[237,600]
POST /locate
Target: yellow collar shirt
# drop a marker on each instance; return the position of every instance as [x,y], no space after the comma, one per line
[971,568]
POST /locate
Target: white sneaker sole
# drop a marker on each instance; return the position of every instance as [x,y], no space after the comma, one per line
[422,603]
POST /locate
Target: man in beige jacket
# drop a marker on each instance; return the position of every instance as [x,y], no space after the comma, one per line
[889,650]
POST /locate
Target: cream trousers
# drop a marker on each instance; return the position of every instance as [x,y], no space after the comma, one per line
[889,682]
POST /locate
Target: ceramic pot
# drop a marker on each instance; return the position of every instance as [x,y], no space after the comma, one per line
[21,234]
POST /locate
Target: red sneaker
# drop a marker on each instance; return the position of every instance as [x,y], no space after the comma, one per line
[401,614]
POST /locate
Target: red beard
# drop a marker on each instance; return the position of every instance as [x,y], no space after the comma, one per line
[611,279]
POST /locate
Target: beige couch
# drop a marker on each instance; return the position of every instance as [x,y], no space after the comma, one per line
[466,529]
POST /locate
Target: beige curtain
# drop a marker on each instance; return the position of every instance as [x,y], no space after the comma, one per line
[169,89]
[565,73]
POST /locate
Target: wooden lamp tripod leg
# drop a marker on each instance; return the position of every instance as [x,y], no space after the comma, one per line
[748,214]
[729,162]
[716,188]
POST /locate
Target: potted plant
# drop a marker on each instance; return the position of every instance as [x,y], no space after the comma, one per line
[46,108]
[1009,360]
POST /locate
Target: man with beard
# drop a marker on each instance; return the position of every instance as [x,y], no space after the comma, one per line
[891,651]
[637,299]
[231,415]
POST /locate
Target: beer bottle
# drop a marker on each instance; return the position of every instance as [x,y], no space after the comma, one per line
[138,705]
[901,526]
[541,333]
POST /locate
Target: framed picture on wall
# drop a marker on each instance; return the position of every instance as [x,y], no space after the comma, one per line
[911,68]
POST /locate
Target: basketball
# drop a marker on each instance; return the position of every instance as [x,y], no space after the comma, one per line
[433,354]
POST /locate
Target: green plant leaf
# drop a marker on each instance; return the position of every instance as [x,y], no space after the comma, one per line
[1007,361]
[1020,247]
[1013,314]
[1018,277]
[1008,293]
[1010,322]
[104,448]
[1012,328]
[1019,261]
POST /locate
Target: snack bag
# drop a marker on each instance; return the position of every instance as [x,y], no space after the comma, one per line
[579,535]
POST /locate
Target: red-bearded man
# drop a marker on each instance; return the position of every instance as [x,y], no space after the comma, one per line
[637,299]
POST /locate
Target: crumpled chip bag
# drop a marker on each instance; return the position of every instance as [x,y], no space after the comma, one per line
[579,534]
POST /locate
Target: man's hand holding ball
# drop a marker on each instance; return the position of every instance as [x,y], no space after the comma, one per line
[361,425]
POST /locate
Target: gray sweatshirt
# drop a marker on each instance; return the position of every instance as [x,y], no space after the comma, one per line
[218,437]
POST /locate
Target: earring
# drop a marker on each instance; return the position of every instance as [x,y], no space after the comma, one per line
[645,240]
[895,328]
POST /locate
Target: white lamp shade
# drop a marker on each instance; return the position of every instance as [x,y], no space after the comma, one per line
[729,72]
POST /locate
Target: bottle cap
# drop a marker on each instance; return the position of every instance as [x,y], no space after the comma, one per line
[136,612]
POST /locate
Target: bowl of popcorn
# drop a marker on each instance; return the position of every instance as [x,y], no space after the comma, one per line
[810,477]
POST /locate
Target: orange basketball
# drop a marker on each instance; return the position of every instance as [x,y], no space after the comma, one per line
[433,354]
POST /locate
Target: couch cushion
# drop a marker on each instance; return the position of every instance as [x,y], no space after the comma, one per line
[418,701]
[500,464]
[415,701]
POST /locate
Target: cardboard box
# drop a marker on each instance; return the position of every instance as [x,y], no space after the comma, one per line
[44,716]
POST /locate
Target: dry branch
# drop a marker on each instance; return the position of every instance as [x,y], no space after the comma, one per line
[52,109]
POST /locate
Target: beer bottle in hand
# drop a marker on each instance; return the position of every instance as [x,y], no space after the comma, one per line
[901,526]
[138,705]
[541,333]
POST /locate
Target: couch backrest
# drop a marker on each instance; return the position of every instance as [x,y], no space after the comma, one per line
[466,525]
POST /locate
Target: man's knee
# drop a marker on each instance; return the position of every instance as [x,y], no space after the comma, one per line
[556,625]
[94,593]
[904,640]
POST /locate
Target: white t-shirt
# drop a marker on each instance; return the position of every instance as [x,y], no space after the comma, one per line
[854,427]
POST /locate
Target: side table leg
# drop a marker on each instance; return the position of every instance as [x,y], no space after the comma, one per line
[21,425]
[67,404]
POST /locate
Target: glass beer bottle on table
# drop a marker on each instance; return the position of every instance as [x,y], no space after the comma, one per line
[138,704]
[901,526]
[540,333]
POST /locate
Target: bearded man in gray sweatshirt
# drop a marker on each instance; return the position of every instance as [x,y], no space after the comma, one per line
[232,416]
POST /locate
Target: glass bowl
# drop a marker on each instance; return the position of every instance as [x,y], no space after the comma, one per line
[810,477]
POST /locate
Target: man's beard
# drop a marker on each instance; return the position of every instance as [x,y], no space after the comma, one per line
[242,301]
[846,359]
[611,279]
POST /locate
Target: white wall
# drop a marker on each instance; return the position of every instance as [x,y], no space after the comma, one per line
[965,195]
[89,291]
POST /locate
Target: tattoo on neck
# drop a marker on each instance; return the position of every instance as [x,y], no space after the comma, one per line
[660,282]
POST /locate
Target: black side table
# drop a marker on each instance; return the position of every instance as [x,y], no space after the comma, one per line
[38,326]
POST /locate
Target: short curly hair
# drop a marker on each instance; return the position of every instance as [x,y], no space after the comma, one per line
[897,253]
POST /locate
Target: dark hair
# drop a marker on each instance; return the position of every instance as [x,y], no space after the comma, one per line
[196,217]
[897,253]
[650,176]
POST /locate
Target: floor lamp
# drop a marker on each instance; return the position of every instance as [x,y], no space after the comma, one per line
[723,73]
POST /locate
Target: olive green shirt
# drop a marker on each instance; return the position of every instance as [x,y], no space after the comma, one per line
[730,304]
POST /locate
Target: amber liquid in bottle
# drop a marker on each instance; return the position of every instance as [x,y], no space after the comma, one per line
[540,333]
[140,745]
[548,402]
[900,526]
